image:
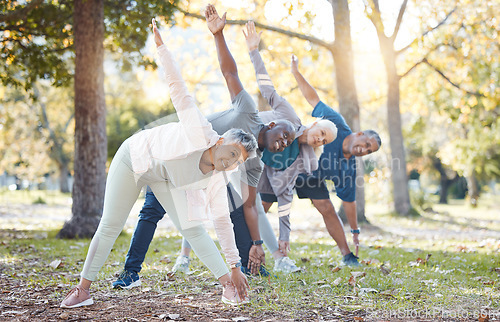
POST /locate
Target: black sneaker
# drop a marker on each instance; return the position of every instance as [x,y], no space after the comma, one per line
[127,280]
[351,260]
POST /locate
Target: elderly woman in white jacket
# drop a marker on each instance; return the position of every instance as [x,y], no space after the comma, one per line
[184,164]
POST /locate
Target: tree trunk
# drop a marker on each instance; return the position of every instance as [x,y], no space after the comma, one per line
[473,188]
[398,166]
[444,180]
[398,163]
[90,121]
[346,88]
[63,178]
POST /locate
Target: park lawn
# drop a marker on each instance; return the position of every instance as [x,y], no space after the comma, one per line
[419,268]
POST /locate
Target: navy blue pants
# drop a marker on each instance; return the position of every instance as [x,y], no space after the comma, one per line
[152,212]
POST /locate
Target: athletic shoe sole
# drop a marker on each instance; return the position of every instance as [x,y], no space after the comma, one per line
[133,284]
[84,303]
[227,301]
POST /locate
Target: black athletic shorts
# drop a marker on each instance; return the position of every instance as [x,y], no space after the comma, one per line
[309,187]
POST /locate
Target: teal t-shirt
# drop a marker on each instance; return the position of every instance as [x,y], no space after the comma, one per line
[282,160]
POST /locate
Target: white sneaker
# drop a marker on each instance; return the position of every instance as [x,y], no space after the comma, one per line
[230,295]
[182,265]
[285,265]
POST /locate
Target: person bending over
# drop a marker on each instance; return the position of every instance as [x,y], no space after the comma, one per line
[184,163]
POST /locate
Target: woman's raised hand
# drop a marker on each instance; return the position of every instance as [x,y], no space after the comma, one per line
[251,36]
[156,32]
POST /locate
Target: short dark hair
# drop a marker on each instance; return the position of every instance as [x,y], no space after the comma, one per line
[373,134]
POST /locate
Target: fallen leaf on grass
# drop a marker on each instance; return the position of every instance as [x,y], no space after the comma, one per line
[365,290]
[304,259]
[387,293]
[55,264]
[358,274]
[166,259]
[496,269]
[489,283]
[352,281]
[14,312]
[319,282]
[358,318]
[384,270]
[483,318]
[240,318]
[420,261]
[336,269]
[169,316]
[370,261]
[64,316]
[337,281]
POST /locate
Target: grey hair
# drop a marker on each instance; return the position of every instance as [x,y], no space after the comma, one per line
[327,124]
[373,134]
[238,136]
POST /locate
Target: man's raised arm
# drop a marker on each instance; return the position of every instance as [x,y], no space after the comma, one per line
[226,61]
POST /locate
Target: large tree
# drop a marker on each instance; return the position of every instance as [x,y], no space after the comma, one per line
[390,54]
[41,39]
[90,120]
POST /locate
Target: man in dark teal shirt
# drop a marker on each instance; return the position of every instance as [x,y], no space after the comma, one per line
[337,163]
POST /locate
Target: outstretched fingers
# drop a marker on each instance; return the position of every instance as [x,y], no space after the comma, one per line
[157,35]
[294,64]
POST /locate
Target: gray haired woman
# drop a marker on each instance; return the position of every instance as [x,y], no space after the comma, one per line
[184,164]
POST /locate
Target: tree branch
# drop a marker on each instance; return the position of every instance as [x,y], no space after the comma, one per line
[69,122]
[425,57]
[399,20]
[428,31]
[20,14]
[412,68]
[375,18]
[289,33]
[449,80]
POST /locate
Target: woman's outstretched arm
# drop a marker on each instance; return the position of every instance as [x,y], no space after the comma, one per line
[200,130]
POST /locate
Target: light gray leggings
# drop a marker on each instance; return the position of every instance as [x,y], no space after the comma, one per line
[122,191]
[265,229]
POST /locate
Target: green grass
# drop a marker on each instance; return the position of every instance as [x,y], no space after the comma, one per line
[460,277]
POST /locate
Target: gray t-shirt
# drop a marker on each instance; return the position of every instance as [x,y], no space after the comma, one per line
[244,115]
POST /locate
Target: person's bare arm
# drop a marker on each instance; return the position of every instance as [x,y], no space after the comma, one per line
[307,90]
[226,61]
[256,255]
[351,214]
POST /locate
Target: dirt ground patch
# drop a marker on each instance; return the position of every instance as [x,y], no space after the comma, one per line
[21,303]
